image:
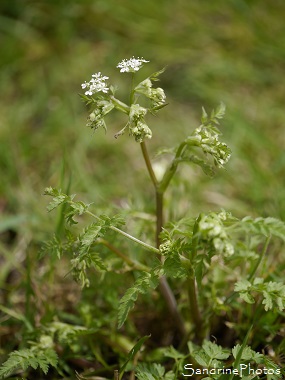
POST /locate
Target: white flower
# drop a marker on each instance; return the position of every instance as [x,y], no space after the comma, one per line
[131,65]
[96,84]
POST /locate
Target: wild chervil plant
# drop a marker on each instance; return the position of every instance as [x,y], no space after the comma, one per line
[224,294]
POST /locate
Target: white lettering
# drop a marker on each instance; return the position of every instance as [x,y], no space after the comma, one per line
[242,367]
[188,367]
[251,371]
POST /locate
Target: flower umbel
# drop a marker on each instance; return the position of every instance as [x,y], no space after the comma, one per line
[96,84]
[210,144]
[138,128]
[131,65]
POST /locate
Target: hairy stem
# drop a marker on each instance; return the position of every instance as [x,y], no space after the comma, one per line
[164,286]
[133,263]
[169,173]
[194,310]
[159,217]
[148,164]
[192,288]
[128,236]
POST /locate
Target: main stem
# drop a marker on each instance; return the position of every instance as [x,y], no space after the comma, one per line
[164,286]
[195,312]
[192,289]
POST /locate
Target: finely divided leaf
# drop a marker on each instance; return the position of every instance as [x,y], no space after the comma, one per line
[220,111]
[75,208]
[141,286]
[173,268]
[214,351]
[264,226]
[150,371]
[91,233]
[25,358]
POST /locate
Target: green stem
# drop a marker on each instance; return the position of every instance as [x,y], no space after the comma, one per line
[239,354]
[192,288]
[120,105]
[164,286]
[190,141]
[148,164]
[159,216]
[260,258]
[194,309]
[128,236]
[132,93]
[133,263]
[172,168]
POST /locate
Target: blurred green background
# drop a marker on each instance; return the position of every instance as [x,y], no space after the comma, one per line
[231,51]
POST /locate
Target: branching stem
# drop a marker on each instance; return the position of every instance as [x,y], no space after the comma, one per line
[128,236]
[192,288]
[164,286]
[133,263]
[194,310]
[148,164]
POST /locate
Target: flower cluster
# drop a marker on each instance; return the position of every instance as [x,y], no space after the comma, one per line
[138,127]
[96,84]
[209,142]
[131,65]
[156,95]
[212,229]
[165,247]
[96,118]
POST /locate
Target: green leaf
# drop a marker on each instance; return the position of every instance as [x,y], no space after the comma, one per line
[247,297]
[52,247]
[215,351]
[274,295]
[171,352]
[75,208]
[264,226]
[66,333]
[91,233]
[155,75]
[132,354]
[97,262]
[86,99]
[201,358]
[25,358]
[173,268]
[220,111]
[207,168]
[244,287]
[150,371]
[57,201]
[141,286]
[238,351]
[204,117]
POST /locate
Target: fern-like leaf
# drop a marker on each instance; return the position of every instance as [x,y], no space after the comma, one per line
[23,359]
[150,371]
[141,286]
[264,226]
[58,197]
